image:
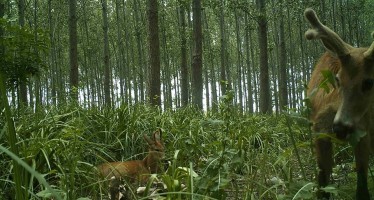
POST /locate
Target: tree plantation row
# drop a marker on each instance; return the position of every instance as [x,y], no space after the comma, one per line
[169,53]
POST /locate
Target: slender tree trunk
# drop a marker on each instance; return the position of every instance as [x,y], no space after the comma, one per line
[248,63]
[223,48]
[166,81]
[53,56]
[73,53]
[141,64]
[127,70]
[197,65]
[121,56]
[154,50]
[38,93]
[87,57]
[283,97]
[292,92]
[183,68]
[22,82]
[239,64]
[213,79]
[60,80]
[265,100]
[106,55]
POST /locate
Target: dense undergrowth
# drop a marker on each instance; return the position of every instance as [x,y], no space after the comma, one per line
[221,155]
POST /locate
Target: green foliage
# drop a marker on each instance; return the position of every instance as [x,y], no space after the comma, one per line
[224,155]
[20,51]
[328,80]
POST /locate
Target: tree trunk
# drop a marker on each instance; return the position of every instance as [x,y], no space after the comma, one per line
[166,81]
[248,63]
[106,55]
[213,80]
[183,68]
[154,50]
[38,93]
[53,56]
[22,82]
[73,53]
[197,65]
[121,57]
[283,96]
[223,49]
[291,80]
[141,70]
[127,70]
[265,101]
[239,64]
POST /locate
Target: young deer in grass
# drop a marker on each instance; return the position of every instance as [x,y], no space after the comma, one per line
[135,170]
[347,110]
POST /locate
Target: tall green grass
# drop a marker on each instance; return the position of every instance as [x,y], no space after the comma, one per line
[221,155]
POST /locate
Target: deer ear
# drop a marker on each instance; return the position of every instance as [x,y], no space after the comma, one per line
[146,138]
[369,54]
[157,135]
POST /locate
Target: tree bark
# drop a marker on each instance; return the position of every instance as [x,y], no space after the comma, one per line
[38,93]
[106,55]
[283,97]
[22,82]
[248,63]
[197,65]
[154,50]
[239,63]
[183,67]
[73,53]
[265,101]
[223,49]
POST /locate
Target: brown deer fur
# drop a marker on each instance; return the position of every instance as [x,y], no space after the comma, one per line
[347,108]
[134,170]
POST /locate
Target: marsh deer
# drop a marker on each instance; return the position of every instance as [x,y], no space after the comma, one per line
[345,110]
[134,170]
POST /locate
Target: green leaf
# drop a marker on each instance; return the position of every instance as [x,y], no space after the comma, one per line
[328,80]
[330,189]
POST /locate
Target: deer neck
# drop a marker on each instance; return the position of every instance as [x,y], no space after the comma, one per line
[151,163]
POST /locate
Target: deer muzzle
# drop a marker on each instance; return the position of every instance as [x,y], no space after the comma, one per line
[343,129]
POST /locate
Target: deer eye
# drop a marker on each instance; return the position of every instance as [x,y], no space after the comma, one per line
[367,84]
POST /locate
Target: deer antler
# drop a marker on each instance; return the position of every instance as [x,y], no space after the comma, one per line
[370,52]
[330,39]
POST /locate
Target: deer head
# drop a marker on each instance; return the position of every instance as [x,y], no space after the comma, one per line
[156,151]
[354,79]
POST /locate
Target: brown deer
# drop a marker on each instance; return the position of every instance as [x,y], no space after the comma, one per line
[134,170]
[346,109]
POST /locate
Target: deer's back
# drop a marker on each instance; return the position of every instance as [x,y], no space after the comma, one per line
[132,170]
